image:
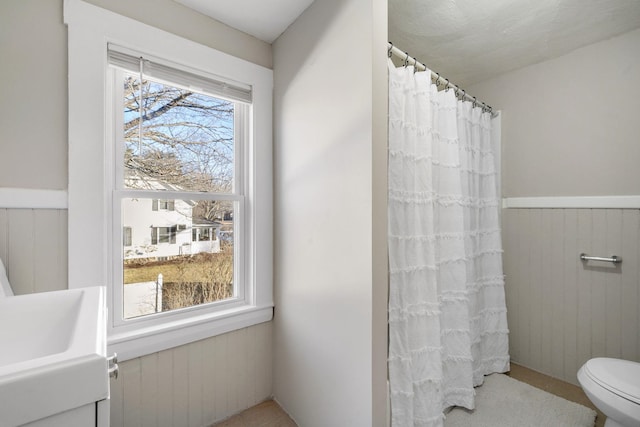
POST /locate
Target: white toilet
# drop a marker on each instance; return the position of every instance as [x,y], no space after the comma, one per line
[613,385]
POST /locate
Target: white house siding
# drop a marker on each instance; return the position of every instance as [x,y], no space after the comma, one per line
[211,246]
[138,214]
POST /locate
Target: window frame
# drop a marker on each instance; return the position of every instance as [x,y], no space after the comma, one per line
[91,168]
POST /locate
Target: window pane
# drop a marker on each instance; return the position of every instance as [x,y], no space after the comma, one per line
[185,141]
[176,258]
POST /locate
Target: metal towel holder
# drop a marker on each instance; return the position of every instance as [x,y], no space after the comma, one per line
[614,258]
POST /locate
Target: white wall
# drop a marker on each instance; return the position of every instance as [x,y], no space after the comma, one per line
[570,124]
[175,18]
[570,128]
[33,104]
[324,152]
[189,385]
[562,311]
[380,285]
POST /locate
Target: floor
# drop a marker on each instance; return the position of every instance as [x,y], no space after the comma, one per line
[266,414]
[270,414]
[554,386]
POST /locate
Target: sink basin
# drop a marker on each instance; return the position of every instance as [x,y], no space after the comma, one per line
[53,355]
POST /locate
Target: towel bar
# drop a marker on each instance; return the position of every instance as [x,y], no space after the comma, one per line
[614,259]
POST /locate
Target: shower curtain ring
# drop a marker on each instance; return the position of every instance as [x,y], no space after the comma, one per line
[406,60]
[464,93]
[389,50]
[437,79]
[474,102]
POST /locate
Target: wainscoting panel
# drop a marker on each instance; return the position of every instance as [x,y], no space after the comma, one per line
[33,248]
[563,311]
[196,384]
[191,385]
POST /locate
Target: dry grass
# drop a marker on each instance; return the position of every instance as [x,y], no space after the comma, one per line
[187,281]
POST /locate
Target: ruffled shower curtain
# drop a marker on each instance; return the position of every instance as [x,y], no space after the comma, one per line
[447,312]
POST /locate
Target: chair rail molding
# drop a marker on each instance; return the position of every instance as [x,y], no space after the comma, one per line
[572,202]
[28,198]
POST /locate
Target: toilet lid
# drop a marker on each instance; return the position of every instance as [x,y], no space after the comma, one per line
[621,377]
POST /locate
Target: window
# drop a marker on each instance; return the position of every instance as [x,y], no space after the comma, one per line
[170,152]
[201,234]
[158,235]
[162,205]
[172,140]
[126,236]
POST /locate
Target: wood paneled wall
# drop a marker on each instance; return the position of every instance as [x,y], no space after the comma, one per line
[195,384]
[33,248]
[192,385]
[563,311]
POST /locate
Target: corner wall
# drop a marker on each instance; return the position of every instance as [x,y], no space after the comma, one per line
[570,128]
[33,105]
[570,124]
[562,311]
[190,385]
[34,102]
[328,302]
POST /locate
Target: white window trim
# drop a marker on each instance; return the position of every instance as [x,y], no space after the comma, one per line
[90,28]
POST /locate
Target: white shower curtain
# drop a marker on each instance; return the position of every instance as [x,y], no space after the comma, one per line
[447,313]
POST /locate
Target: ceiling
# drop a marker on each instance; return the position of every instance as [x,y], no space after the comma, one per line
[263,19]
[472,40]
[467,41]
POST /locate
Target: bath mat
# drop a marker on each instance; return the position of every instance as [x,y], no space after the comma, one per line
[504,402]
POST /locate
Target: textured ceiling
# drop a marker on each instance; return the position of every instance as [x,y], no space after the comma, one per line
[468,41]
[264,19]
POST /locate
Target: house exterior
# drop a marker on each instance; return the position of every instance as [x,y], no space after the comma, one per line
[161,228]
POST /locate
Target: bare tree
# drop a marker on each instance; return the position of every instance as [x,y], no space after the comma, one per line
[179,138]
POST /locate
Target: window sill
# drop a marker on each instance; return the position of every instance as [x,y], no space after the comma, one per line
[152,339]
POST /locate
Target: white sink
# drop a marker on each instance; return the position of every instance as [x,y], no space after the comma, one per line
[52,353]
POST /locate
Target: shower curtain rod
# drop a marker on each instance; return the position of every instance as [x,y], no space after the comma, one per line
[410,60]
